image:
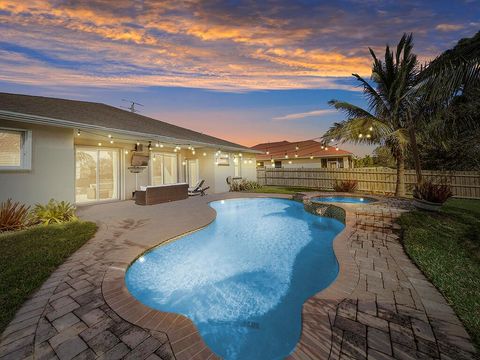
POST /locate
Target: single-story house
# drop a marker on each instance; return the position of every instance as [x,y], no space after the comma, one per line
[86,152]
[302,154]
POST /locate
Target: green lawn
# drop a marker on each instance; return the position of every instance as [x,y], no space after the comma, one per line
[28,257]
[279,190]
[446,247]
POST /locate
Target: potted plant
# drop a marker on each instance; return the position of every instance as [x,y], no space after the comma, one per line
[349,186]
[430,196]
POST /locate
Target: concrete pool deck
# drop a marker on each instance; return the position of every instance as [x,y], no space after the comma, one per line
[380,307]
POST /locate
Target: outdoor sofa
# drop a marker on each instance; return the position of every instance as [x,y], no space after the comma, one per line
[150,195]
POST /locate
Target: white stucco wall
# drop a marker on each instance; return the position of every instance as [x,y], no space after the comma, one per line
[249,170]
[206,168]
[52,172]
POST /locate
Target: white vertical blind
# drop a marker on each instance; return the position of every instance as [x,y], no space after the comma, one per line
[10,148]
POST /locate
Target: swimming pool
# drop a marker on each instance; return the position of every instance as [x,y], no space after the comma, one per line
[344,199]
[244,278]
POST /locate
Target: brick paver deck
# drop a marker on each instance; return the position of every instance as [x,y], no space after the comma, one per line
[381,307]
[394,312]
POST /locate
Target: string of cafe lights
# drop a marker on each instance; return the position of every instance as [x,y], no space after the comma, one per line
[270,150]
[151,144]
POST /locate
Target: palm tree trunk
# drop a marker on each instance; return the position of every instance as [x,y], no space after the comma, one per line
[400,186]
[416,155]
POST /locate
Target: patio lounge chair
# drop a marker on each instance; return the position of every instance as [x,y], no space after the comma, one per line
[197,189]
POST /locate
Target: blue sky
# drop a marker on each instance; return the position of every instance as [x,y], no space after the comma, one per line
[245,71]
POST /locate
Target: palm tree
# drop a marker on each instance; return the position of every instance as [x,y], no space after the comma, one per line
[388,120]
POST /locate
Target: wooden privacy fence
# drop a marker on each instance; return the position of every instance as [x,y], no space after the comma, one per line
[464,184]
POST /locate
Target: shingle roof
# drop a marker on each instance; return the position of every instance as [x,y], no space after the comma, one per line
[98,114]
[307,148]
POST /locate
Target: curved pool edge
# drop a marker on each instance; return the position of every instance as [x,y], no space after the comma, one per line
[319,310]
[184,337]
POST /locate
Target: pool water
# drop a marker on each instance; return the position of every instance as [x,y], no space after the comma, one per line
[344,199]
[243,279]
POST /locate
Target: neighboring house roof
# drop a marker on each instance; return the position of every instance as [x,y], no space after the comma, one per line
[102,116]
[306,149]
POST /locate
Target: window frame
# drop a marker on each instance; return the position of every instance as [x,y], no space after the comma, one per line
[25,150]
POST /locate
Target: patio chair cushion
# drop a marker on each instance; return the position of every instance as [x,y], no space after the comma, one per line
[161,193]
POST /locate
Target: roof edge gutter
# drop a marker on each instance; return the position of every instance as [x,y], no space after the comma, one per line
[42,120]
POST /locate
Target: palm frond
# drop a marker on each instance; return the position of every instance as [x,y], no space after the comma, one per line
[357,130]
[350,110]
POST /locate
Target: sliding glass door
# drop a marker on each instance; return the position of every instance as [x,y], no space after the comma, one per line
[192,172]
[96,174]
[164,168]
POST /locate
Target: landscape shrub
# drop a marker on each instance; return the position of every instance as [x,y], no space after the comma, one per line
[430,191]
[345,185]
[244,185]
[55,212]
[13,216]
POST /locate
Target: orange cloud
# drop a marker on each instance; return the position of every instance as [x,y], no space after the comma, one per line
[319,62]
[449,27]
[165,44]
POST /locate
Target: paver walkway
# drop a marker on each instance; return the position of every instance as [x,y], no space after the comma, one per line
[392,312]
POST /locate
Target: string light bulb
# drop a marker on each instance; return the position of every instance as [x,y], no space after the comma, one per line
[268,152]
[296,147]
[311,157]
[370,128]
[296,155]
[99,144]
[369,136]
[360,135]
[109,136]
[126,152]
[204,154]
[336,148]
[78,132]
[111,141]
[157,144]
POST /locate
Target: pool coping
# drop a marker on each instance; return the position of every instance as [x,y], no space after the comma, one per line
[184,337]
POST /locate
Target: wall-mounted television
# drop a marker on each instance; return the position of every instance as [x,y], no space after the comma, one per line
[140,160]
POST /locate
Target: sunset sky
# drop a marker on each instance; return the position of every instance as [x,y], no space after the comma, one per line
[244,71]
